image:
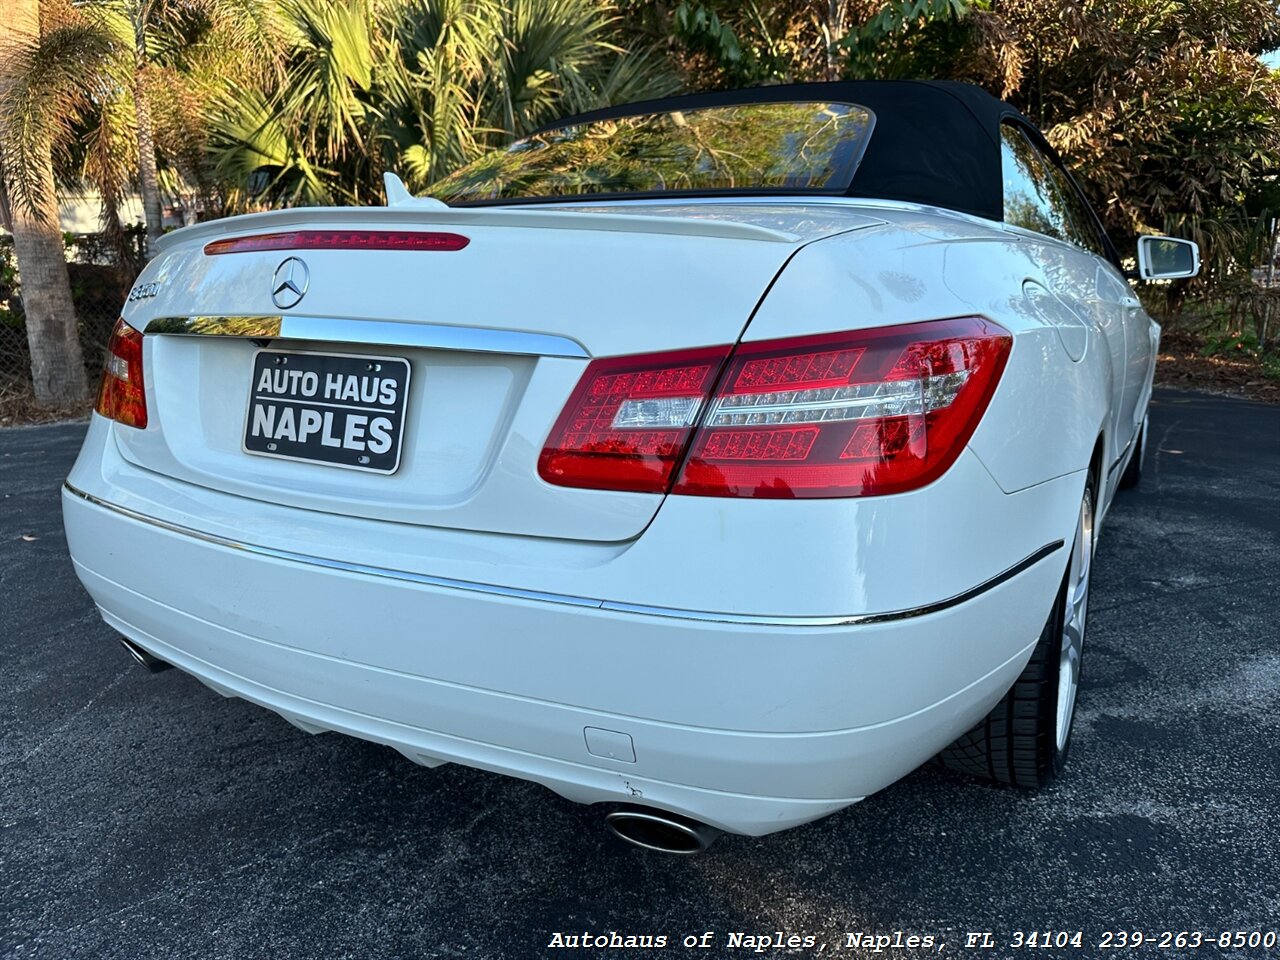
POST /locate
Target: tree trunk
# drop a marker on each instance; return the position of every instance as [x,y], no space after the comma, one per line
[147,177]
[57,363]
[835,27]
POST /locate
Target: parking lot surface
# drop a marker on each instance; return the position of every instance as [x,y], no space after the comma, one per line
[144,816]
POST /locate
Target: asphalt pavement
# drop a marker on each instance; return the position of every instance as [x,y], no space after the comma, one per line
[144,816]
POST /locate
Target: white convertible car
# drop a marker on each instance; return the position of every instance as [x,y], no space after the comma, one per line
[719,460]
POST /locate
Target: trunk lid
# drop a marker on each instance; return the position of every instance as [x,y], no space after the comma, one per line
[495,335]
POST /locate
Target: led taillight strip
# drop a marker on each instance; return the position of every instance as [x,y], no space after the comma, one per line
[889,398]
[340,240]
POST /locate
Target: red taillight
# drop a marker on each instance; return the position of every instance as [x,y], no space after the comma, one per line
[837,415]
[123,396]
[846,415]
[340,240]
[628,421]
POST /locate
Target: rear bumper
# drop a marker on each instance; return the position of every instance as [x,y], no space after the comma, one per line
[752,727]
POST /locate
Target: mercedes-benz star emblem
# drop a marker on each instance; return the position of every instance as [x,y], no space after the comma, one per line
[289,285]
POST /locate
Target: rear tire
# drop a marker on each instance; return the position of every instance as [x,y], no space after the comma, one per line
[1023,741]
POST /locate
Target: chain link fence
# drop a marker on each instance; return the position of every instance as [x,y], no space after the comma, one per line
[98,290]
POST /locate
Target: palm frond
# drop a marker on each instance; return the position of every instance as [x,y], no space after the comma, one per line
[48,86]
[110,159]
[423,85]
[254,29]
[543,42]
[630,76]
[247,137]
[334,66]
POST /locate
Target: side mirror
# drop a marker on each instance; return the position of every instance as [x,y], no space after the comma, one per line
[1167,258]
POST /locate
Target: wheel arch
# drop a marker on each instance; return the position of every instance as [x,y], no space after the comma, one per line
[1098,461]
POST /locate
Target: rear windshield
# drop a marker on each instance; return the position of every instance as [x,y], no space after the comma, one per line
[747,148]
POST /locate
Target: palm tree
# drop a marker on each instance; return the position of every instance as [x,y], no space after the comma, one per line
[120,83]
[418,85]
[148,179]
[57,364]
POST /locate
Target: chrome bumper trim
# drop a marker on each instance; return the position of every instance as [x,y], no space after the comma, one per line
[381,333]
[852,619]
[424,579]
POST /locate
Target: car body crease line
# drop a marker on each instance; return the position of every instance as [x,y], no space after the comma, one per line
[611,606]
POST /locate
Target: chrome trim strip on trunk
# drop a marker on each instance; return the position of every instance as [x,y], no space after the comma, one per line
[382,333]
[424,579]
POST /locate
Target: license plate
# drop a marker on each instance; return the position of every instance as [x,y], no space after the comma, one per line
[331,408]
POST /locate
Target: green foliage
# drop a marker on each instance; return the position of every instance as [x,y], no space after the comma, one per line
[1244,346]
[700,28]
[906,39]
[898,17]
[49,89]
[1232,344]
[729,43]
[1162,108]
[1235,249]
[10,317]
[419,86]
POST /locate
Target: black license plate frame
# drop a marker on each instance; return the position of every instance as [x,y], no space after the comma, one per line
[349,409]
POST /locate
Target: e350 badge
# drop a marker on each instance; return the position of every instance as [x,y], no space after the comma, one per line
[144,291]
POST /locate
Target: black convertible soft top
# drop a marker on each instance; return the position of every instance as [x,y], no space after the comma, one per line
[935,142]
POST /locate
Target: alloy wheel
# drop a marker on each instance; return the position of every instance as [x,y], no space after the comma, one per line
[1073,619]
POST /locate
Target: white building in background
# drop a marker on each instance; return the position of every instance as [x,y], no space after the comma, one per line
[82,213]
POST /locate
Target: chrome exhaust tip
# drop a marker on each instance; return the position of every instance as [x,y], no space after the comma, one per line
[153,664]
[661,831]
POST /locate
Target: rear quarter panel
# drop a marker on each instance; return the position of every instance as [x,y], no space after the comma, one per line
[1048,410]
